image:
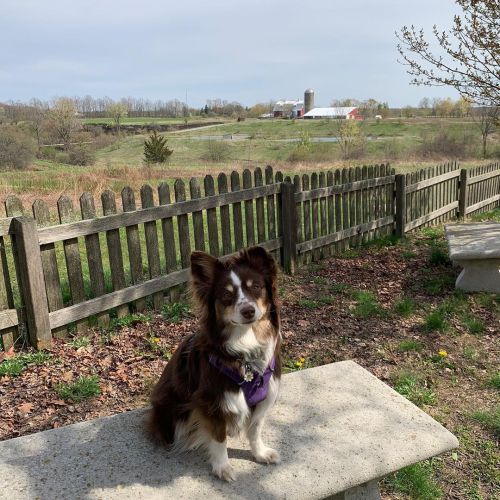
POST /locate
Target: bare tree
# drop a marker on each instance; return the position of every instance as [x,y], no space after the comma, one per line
[117,111]
[38,113]
[469,56]
[349,137]
[487,119]
[64,119]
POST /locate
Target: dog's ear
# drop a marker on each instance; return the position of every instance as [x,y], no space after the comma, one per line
[203,268]
[261,259]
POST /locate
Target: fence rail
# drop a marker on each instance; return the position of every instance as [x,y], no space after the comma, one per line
[112,260]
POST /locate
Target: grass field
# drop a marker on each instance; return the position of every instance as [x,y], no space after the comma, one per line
[147,120]
[401,142]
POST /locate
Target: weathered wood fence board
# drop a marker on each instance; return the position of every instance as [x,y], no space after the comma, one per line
[152,246]
[94,256]
[49,261]
[148,248]
[133,244]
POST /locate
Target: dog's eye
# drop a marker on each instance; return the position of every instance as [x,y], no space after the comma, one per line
[227,295]
[256,287]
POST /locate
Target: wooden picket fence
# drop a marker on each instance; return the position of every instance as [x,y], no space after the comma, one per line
[110,260]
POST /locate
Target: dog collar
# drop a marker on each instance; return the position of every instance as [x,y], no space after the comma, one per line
[254,385]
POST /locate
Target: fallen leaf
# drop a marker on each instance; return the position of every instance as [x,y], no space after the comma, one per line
[26,408]
[8,354]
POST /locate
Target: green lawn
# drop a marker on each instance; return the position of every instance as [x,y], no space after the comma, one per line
[254,142]
[147,120]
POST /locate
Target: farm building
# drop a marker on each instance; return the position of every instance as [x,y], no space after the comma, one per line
[345,113]
[288,109]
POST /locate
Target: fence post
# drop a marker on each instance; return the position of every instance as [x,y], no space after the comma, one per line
[288,227]
[32,283]
[400,206]
[463,189]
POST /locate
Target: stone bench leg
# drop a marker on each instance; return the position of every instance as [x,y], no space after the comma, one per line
[367,491]
[479,275]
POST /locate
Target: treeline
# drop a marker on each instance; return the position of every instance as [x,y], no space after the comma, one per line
[436,106]
[442,108]
[91,107]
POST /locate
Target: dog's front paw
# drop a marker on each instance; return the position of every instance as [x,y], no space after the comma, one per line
[224,471]
[267,455]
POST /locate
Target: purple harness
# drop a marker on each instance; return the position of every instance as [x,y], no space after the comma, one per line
[255,390]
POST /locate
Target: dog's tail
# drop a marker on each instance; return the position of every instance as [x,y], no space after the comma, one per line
[160,425]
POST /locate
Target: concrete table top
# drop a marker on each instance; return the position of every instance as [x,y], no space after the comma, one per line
[473,240]
[476,247]
[336,426]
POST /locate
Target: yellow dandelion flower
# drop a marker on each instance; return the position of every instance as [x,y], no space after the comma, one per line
[156,340]
[443,353]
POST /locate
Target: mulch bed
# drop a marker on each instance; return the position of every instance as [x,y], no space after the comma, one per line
[319,324]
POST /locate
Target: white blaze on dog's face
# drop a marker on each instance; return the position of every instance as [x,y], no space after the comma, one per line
[243,298]
[239,292]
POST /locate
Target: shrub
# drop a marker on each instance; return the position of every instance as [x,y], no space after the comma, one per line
[47,153]
[312,152]
[216,151]
[81,155]
[62,157]
[443,144]
[299,153]
[350,139]
[156,149]
[104,140]
[17,149]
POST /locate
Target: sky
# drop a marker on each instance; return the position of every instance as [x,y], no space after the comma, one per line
[245,51]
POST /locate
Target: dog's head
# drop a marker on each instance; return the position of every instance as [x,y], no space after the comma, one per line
[239,291]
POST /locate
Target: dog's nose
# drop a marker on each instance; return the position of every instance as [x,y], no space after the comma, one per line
[248,311]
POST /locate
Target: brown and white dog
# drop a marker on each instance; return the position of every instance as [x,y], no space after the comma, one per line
[224,378]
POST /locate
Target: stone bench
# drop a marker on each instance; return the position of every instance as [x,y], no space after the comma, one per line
[338,429]
[476,248]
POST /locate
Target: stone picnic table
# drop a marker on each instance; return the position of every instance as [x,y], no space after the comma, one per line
[476,248]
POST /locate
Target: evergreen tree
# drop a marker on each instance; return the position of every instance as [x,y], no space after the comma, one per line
[156,149]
